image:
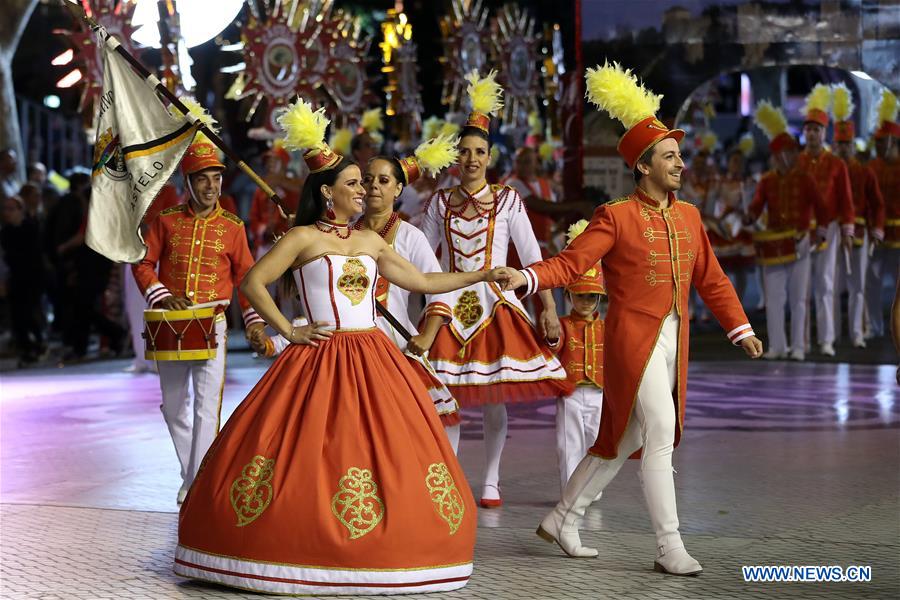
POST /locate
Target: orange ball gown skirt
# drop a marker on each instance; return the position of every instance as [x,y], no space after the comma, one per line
[334,475]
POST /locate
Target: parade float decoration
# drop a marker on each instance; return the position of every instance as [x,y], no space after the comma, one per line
[464,31]
[516,54]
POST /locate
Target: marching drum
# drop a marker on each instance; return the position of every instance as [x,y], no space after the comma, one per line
[188,334]
[775,247]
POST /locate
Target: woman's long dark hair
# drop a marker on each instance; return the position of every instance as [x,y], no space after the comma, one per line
[310,209]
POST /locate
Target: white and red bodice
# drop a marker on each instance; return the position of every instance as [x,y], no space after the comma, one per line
[339,290]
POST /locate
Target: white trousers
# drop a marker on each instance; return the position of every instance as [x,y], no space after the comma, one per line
[787,283]
[134,313]
[825,264]
[884,269]
[577,425]
[854,283]
[193,434]
[652,423]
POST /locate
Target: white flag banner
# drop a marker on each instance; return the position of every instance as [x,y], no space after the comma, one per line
[139,144]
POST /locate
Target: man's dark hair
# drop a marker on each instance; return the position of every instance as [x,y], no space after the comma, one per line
[647,159]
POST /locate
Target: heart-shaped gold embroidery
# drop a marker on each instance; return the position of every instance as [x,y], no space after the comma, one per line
[356,503]
[468,308]
[354,283]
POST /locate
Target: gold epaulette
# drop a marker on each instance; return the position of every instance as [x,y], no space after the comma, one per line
[617,201]
[173,210]
[496,187]
[232,217]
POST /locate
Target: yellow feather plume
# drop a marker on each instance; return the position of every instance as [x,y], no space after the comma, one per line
[304,129]
[887,106]
[438,153]
[449,128]
[576,229]
[819,98]
[842,107]
[708,141]
[431,127]
[372,120]
[617,91]
[485,93]
[746,144]
[196,110]
[535,125]
[546,150]
[340,141]
[770,119]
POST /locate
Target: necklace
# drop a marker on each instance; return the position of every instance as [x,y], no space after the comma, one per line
[481,207]
[335,228]
[387,226]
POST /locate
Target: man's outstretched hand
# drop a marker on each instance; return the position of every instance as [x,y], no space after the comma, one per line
[507,278]
[753,346]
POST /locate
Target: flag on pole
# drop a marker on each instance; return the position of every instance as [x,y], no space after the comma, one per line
[139,144]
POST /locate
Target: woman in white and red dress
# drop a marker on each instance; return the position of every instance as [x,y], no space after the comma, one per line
[334,475]
[384,179]
[489,353]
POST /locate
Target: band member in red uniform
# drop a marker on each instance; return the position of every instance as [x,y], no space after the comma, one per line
[884,266]
[836,223]
[868,206]
[653,249]
[783,247]
[580,349]
[196,253]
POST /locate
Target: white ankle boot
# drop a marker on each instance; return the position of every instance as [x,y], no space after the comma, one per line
[561,524]
[659,492]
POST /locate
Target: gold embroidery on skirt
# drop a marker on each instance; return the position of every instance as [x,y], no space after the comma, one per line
[251,493]
[468,308]
[354,282]
[356,504]
[448,502]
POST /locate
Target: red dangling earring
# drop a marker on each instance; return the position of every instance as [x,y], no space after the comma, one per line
[329,212]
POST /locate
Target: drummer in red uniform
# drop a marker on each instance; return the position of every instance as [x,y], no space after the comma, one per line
[196,253]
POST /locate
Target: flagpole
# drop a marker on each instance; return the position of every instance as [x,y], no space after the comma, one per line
[79,14]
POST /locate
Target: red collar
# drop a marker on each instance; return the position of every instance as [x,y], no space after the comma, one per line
[646,199]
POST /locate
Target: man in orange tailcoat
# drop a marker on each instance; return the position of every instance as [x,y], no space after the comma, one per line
[653,248]
[202,254]
[830,173]
[885,263]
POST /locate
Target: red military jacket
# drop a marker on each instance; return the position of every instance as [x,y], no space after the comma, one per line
[888,175]
[833,182]
[791,198]
[868,203]
[201,259]
[651,256]
[580,349]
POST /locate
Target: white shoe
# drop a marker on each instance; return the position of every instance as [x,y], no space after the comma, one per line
[859,342]
[772,355]
[561,524]
[674,560]
[659,492]
[798,355]
[826,349]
